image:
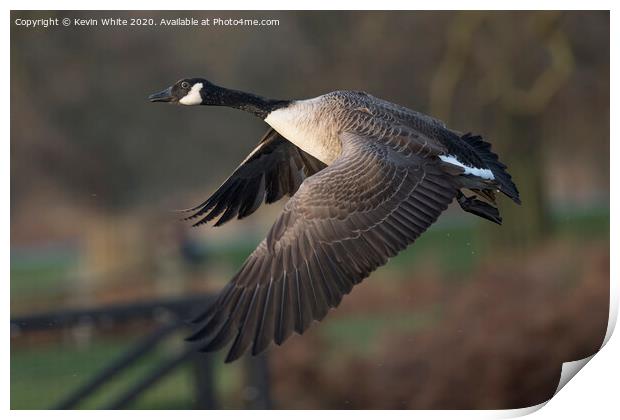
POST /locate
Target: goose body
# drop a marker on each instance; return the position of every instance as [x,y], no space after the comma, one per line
[367,177]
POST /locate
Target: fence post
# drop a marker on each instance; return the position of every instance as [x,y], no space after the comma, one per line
[204,390]
[256,391]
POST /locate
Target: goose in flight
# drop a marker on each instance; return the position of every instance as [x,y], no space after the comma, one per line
[366,178]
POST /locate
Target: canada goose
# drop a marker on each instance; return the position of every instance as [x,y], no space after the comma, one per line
[366,177]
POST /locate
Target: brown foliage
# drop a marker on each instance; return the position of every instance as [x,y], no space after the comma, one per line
[499,344]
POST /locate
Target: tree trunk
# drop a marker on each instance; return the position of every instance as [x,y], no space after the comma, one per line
[530,222]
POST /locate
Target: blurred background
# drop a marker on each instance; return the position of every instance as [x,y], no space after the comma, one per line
[473,316]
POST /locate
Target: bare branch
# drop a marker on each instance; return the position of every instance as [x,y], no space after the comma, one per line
[458,50]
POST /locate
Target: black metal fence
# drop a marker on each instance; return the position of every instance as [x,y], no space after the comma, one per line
[174,313]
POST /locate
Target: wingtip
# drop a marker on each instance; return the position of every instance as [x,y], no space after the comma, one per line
[231,357]
[200,222]
[196,336]
[184,210]
[202,206]
[234,352]
[190,339]
[198,319]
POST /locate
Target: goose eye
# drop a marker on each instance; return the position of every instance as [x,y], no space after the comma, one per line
[184,85]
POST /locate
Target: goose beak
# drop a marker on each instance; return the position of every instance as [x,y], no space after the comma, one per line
[163,96]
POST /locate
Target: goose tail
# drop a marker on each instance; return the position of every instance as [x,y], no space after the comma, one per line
[502,177]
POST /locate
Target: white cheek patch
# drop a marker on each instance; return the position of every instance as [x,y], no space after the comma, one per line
[479,172]
[193,96]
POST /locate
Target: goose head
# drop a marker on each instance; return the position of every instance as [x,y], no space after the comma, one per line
[197,91]
[193,91]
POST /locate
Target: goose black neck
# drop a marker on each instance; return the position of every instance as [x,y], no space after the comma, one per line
[257,105]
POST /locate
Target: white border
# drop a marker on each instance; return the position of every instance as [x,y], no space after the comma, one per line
[592,393]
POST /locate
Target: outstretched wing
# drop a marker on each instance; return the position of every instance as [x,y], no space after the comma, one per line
[342,224]
[275,168]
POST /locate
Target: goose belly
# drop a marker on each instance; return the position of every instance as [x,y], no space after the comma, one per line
[310,133]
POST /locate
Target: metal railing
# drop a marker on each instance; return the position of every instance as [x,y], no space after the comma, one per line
[176,311]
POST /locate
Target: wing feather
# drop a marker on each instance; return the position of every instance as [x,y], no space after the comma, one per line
[274,169]
[343,223]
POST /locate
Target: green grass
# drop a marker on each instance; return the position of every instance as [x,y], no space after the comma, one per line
[586,224]
[42,375]
[453,248]
[362,332]
[49,278]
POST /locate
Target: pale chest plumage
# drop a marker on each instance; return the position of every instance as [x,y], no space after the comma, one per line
[309,126]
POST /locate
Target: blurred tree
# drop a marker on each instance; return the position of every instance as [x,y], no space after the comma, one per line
[516,54]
